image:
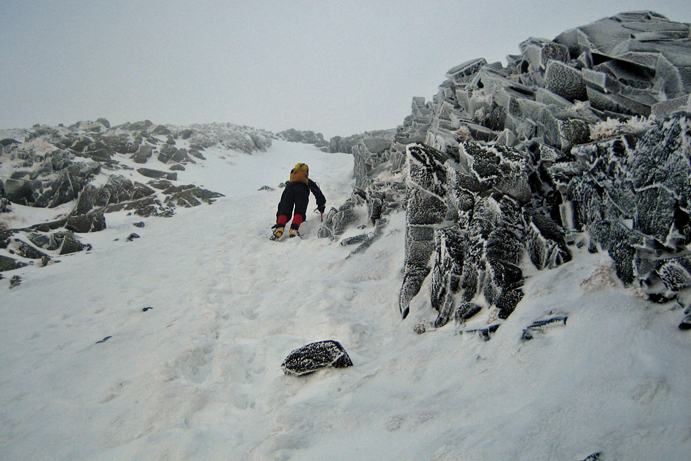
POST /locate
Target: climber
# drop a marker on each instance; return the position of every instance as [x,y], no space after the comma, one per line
[295,198]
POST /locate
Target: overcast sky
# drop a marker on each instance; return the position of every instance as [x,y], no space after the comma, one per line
[335,67]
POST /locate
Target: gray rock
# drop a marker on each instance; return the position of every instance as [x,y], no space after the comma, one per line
[19,191]
[66,243]
[27,251]
[9,264]
[143,154]
[189,196]
[93,222]
[156,174]
[160,130]
[463,73]
[315,356]
[538,52]
[64,189]
[565,81]
[8,142]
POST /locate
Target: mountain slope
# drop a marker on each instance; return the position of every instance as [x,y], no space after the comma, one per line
[198,376]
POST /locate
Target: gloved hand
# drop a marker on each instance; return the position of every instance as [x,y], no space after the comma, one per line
[321,208]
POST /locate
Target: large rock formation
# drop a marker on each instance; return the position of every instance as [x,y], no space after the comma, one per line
[578,141]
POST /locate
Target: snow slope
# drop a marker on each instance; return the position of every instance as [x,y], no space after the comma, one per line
[198,376]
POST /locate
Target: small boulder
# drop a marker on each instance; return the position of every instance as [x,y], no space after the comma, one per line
[143,154]
[314,356]
[92,222]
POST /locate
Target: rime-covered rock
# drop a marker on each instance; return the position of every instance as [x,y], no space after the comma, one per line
[565,81]
[315,356]
[538,52]
[466,223]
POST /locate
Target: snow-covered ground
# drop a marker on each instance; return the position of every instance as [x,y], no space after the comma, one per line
[198,376]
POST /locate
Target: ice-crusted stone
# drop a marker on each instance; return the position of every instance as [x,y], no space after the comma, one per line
[315,356]
[539,52]
[660,170]
[565,81]
[475,248]
[466,311]
[463,73]
[449,244]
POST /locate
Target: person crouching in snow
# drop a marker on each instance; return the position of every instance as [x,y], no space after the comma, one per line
[295,198]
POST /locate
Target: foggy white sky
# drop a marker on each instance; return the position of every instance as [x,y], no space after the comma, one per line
[335,67]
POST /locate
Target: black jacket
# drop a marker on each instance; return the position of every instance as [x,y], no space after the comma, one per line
[296,195]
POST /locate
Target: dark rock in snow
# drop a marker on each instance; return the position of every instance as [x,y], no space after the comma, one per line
[15,281]
[9,264]
[484,333]
[8,142]
[157,174]
[189,196]
[541,325]
[686,323]
[66,243]
[143,154]
[27,251]
[93,222]
[314,356]
[466,311]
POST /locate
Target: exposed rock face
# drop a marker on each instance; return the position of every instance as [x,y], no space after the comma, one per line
[531,159]
[314,356]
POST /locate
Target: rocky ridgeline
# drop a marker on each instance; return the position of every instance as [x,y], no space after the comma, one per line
[96,168]
[581,141]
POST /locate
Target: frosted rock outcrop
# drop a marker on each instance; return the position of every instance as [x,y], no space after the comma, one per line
[553,150]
